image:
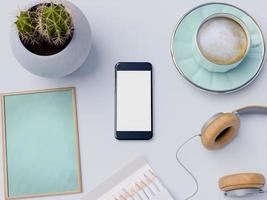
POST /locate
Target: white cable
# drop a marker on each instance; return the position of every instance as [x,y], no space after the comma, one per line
[185,168]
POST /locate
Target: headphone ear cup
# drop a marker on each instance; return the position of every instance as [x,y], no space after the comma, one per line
[220,131]
[241,181]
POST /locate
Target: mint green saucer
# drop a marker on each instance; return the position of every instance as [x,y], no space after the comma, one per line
[182,54]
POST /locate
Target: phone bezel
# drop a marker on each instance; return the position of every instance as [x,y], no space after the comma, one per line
[133,135]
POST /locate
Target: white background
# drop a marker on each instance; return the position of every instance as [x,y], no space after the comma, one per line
[140,30]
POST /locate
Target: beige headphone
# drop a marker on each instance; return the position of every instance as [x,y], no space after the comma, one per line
[219,131]
[216,133]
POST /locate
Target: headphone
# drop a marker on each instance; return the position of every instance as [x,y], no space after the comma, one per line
[216,133]
[219,131]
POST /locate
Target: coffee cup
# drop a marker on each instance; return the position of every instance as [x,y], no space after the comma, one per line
[221,42]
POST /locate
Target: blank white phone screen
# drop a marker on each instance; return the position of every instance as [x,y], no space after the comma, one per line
[134,101]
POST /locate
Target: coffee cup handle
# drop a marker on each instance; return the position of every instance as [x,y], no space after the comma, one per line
[255,41]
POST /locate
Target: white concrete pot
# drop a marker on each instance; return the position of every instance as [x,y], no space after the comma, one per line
[66,61]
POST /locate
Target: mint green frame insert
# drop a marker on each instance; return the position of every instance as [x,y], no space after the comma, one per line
[40,143]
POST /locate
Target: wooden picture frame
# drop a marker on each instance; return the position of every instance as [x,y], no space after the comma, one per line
[61,96]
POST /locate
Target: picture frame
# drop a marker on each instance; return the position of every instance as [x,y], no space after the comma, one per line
[59,101]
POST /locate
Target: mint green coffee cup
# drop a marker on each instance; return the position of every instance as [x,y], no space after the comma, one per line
[221,42]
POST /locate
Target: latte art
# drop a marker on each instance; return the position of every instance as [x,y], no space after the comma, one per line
[222,40]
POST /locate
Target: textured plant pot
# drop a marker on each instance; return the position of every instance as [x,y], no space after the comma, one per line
[66,61]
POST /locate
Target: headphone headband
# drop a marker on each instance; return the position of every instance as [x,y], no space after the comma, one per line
[251,109]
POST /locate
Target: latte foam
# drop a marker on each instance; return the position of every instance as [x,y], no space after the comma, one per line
[222,40]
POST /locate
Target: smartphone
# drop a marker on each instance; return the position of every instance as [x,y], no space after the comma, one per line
[133,101]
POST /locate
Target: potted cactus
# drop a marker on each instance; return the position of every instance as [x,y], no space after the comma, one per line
[51,39]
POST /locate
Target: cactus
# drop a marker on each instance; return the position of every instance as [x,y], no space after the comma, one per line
[26,24]
[55,23]
[45,23]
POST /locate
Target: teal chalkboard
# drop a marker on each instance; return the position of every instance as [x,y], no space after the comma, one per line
[40,141]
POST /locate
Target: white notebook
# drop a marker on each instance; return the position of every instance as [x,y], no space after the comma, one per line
[136,181]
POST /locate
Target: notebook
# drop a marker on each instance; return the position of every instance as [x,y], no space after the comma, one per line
[136,181]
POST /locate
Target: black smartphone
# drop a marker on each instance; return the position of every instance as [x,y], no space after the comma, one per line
[133,101]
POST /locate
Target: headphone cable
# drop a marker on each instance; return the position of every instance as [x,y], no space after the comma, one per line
[185,168]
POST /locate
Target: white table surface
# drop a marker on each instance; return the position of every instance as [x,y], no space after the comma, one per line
[140,30]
